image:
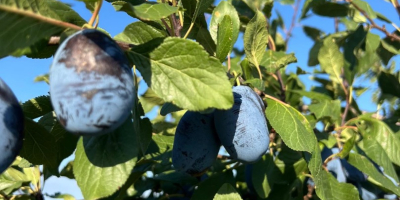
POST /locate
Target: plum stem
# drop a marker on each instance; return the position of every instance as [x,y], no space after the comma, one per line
[95,13]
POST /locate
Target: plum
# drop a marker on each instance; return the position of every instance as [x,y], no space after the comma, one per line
[11,126]
[91,84]
[196,144]
[243,129]
[334,166]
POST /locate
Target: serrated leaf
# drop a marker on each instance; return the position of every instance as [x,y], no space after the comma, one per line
[39,145]
[139,33]
[65,142]
[208,188]
[181,72]
[224,38]
[103,163]
[331,59]
[291,126]
[374,151]
[37,107]
[149,11]
[379,131]
[256,38]
[363,164]
[326,108]
[227,192]
[275,60]
[224,8]
[23,26]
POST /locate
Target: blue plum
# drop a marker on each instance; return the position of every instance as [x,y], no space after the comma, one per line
[11,126]
[196,144]
[91,84]
[334,166]
[243,129]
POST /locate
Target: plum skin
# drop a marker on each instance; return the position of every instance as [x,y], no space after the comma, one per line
[91,84]
[243,129]
[196,144]
[11,126]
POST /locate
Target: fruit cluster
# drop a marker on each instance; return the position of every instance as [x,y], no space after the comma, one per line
[242,130]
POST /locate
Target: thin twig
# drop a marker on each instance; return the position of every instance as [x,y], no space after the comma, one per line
[393,36]
[293,23]
[96,12]
[309,194]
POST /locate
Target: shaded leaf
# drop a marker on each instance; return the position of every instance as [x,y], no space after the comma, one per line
[326,108]
[227,192]
[146,11]
[37,107]
[139,33]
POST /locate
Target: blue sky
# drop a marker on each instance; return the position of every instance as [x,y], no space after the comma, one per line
[19,73]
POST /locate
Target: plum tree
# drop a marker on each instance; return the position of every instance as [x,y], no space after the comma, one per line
[243,130]
[196,144]
[91,83]
[11,126]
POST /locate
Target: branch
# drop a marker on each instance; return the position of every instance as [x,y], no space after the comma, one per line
[392,36]
[289,32]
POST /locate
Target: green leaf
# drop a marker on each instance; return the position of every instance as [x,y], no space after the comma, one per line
[224,38]
[147,11]
[312,95]
[366,7]
[256,39]
[330,9]
[142,127]
[363,164]
[149,99]
[375,151]
[379,131]
[313,33]
[275,60]
[389,84]
[37,107]
[201,7]
[313,54]
[227,192]
[291,125]
[208,188]
[65,142]
[169,108]
[331,59]
[326,108]
[39,145]
[103,163]
[326,185]
[25,25]
[354,42]
[181,72]
[370,58]
[224,8]
[160,145]
[263,175]
[348,145]
[267,10]
[139,33]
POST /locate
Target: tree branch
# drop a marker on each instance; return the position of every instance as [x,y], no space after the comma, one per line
[293,22]
[373,24]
